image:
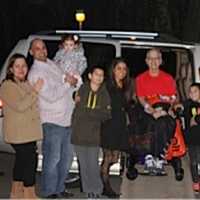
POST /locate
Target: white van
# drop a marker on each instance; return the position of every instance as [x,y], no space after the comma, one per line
[181,60]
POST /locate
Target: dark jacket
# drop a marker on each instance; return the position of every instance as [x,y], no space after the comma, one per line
[88,115]
[192,109]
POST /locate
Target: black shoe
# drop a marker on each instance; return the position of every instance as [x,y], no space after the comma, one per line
[66,195]
[179,174]
[110,194]
[52,196]
[72,178]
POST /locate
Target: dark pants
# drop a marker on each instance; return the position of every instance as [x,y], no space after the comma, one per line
[161,129]
[25,163]
[194,153]
[164,130]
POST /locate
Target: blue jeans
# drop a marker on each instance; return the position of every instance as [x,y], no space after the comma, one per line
[57,153]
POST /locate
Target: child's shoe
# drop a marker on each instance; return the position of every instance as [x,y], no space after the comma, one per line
[90,195]
[195,187]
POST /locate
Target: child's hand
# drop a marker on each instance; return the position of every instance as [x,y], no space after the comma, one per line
[70,79]
[192,122]
[77,99]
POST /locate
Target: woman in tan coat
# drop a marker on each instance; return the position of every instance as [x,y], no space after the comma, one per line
[21,124]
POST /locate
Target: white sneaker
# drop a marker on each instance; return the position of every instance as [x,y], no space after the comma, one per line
[149,165]
[159,167]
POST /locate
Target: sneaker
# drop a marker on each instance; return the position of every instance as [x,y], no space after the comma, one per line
[93,196]
[159,165]
[149,164]
[90,195]
[97,196]
[195,187]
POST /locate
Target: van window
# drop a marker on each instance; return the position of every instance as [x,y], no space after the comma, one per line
[99,54]
[177,62]
[96,53]
[136,61]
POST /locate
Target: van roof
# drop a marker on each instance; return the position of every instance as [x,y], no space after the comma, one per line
[123,37]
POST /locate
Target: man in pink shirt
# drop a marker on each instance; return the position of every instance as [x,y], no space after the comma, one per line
[56,106]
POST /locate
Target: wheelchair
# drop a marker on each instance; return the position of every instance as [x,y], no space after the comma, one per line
[141,146]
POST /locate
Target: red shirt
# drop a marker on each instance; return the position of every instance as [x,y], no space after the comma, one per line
[151,86]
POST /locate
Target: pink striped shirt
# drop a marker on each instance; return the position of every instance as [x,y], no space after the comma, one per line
[55,98]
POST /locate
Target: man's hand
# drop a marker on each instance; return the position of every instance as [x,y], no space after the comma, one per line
[70,79]
[149,109]
[38,84]
[159,113]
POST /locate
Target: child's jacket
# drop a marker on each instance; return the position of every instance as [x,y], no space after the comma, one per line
[88,115]
[72,61]
[192,110]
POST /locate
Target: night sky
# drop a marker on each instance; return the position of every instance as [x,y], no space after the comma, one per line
[19,18]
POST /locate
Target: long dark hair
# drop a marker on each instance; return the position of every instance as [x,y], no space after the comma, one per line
[128,84]
[11,61]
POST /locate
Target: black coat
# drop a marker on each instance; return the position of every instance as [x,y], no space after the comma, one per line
[114,130]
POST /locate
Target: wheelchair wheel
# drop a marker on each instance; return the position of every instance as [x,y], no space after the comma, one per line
[132,174]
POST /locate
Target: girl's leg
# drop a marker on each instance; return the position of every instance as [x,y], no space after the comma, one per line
[109,158]
[132,172]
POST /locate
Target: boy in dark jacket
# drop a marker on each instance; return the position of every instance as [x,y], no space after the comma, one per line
[192,124]
[92,108]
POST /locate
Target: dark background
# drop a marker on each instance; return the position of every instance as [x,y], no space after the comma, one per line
[19,18]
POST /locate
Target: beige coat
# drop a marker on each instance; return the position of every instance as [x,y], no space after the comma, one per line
[21,122]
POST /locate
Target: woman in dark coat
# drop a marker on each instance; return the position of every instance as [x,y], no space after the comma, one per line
[114,131]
